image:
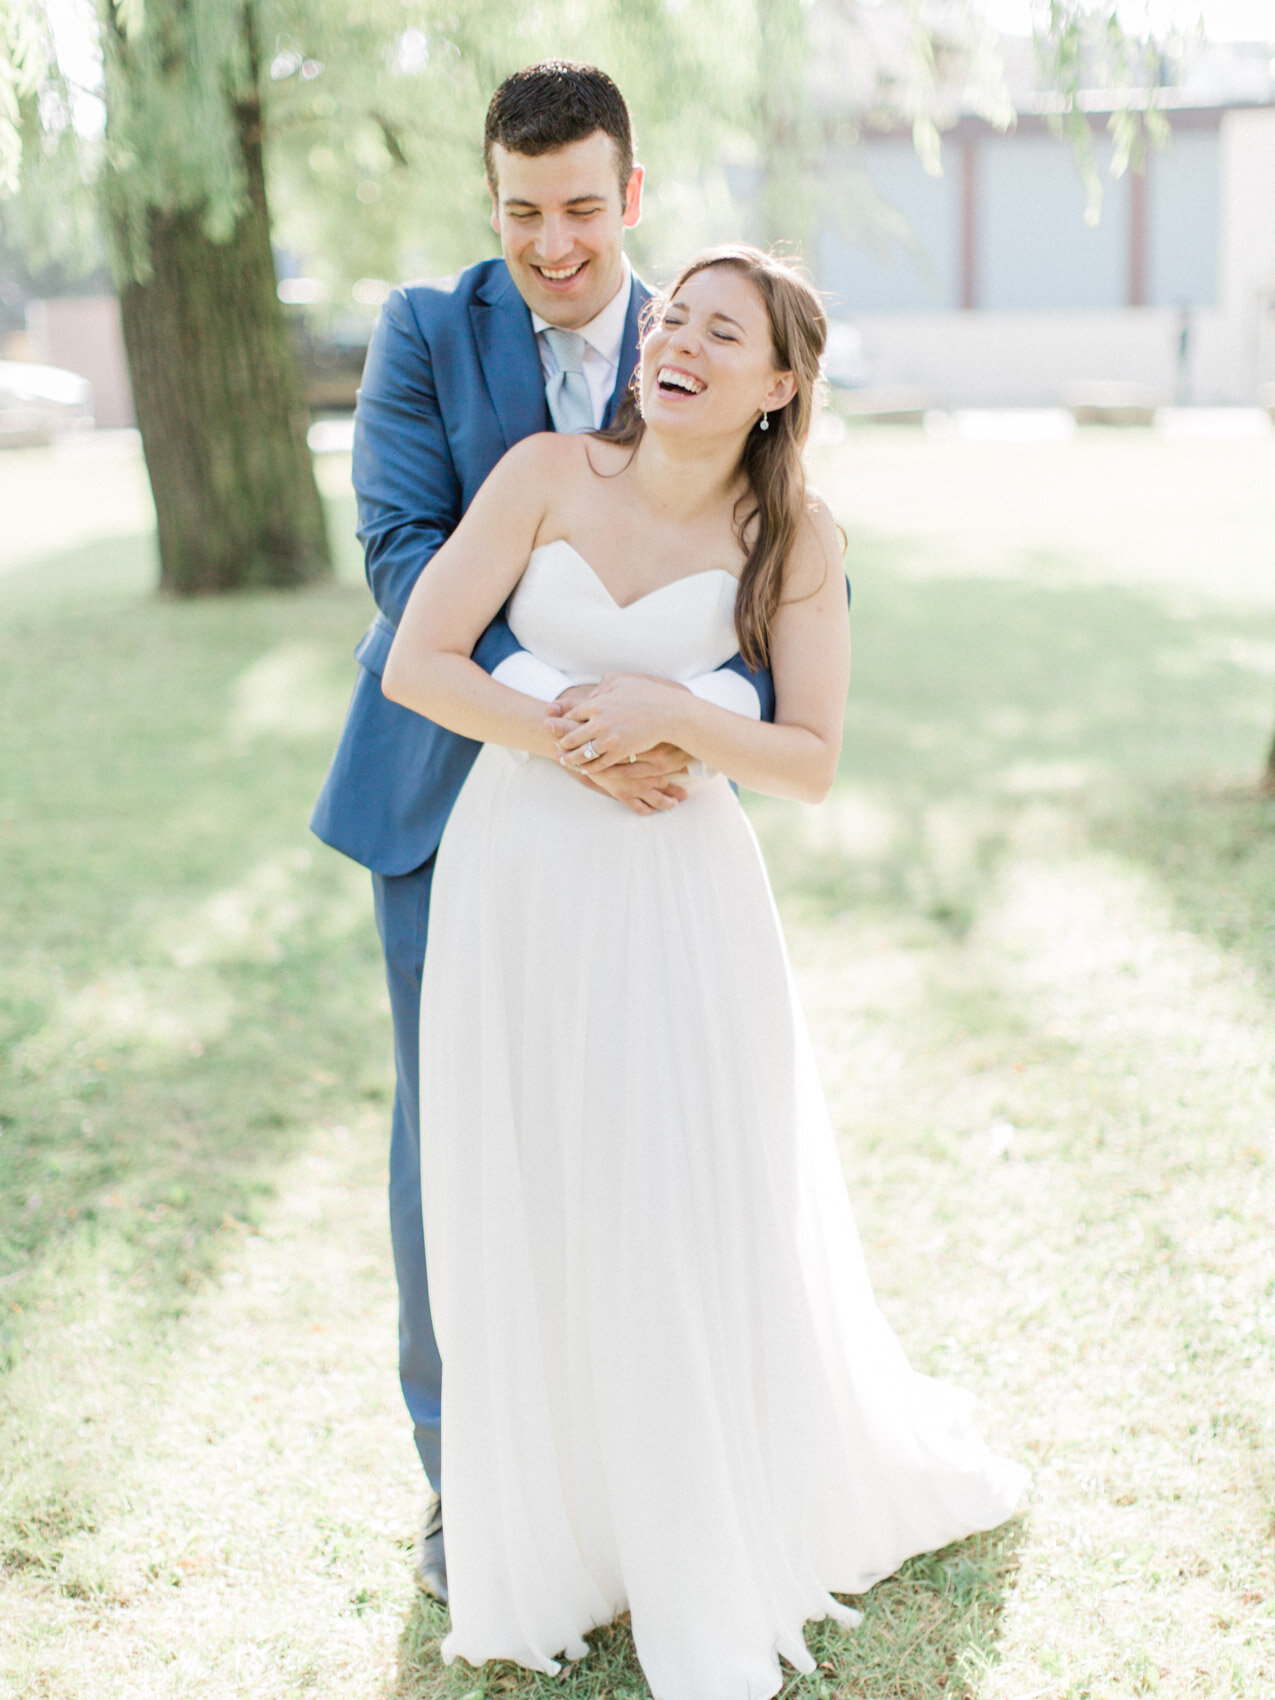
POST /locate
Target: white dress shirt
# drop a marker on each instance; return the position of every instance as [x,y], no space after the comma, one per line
[603,336]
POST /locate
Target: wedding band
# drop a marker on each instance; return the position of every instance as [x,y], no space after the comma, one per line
[590,754]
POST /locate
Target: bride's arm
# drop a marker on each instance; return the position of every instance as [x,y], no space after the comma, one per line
[810,659]
[461,590]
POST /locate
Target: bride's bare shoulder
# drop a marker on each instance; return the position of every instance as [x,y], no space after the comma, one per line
[542,451]
[562,457]
[604,457]
[816,552]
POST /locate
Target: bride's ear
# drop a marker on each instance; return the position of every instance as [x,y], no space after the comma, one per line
[780,392]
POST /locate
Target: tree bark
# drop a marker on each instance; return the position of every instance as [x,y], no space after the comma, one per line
[219,404]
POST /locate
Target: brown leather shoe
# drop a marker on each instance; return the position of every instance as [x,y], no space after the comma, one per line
[431,1559]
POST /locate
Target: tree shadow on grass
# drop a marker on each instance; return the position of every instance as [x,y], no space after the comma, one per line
[978,703]
[145,1154]
[189,984]
[1212,851]
[185,984]
[973,684]
[928,1633]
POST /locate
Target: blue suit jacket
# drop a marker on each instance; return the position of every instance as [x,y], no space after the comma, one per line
[453,379]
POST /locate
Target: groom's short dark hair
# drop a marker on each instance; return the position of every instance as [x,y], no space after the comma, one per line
[544,107]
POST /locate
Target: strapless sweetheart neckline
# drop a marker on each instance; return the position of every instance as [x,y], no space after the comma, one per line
[623,607]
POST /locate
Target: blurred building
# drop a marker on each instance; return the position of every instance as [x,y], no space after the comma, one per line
[984,285]
[82,334]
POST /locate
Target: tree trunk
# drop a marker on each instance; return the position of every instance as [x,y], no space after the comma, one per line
[1268,778]
[219,405]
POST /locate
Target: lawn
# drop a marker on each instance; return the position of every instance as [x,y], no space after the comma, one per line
[1035,931]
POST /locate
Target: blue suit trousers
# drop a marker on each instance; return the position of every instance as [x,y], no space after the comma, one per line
[402,919]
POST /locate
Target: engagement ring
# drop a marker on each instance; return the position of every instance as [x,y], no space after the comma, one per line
[590,754]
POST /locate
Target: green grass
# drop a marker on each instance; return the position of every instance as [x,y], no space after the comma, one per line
[1034,931]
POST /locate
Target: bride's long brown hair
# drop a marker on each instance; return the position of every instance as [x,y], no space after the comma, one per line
[769,515]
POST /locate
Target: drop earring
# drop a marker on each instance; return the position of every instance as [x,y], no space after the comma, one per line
[765,422]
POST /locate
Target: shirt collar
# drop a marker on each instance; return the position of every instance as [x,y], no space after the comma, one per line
[605,332]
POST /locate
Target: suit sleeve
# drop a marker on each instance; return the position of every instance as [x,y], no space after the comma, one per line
[407,488]
[405,481]
[758,678]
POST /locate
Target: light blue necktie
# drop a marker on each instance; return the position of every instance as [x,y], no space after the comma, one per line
[567,392]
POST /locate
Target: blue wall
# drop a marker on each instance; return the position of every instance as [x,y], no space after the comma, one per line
[1035,250]
[1182,221]
[890,236]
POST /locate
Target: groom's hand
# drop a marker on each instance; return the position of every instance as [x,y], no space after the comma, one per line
[665,759]
[646,790]
[569,698]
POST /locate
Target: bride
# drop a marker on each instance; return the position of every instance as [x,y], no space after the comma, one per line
[667,1387]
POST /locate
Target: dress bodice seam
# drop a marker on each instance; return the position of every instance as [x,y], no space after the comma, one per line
[623,607]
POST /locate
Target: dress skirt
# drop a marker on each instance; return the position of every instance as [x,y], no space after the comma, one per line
[667,1387]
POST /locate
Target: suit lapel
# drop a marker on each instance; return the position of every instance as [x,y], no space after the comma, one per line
[639,295]
[510,359]
[510,356]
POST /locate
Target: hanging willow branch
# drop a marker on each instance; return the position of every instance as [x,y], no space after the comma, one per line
[29,68]
[1082,46]
[25,58]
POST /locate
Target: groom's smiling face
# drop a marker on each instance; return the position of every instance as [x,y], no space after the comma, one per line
[561,218]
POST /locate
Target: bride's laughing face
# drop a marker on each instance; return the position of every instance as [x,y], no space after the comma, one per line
[708,363]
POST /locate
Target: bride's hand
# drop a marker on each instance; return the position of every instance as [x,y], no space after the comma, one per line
[651,785]
[627,716]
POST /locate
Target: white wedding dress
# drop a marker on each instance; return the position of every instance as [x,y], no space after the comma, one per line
[667,1387]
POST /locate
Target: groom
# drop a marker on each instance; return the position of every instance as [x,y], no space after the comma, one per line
[457,373]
